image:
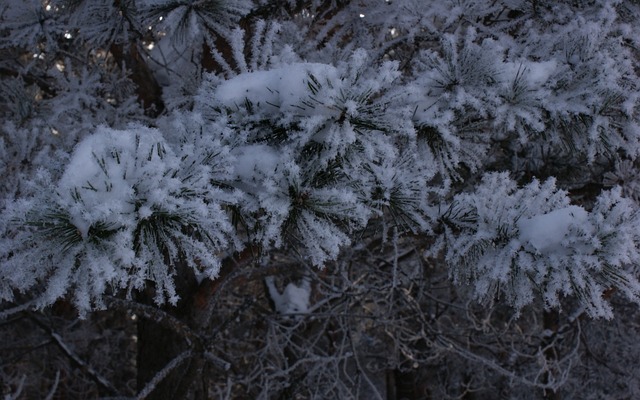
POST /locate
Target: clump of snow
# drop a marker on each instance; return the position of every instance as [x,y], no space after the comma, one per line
[294,299]
[253,160]
[539,73]
[283,88]
[545,233]
[107,172]
[535,73]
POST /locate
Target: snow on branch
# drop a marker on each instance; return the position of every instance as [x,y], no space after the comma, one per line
[124,211]
[293,300]
[515,242]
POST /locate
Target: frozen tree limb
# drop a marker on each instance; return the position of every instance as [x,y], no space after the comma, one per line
[4,314]
[173,364]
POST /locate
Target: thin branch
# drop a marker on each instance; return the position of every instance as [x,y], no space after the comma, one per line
[16,395]
[54,387]
[173,364]
[75,359]
[217,361]
[14,310]
[156,315]
[373,387]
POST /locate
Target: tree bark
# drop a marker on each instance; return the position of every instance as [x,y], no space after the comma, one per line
[158,343]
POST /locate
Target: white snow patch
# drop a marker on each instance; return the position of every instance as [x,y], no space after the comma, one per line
[294,299]
[255,161]
[110,169]
[99,178]
[545,233]
[539,72]
[284,88]
[535,73]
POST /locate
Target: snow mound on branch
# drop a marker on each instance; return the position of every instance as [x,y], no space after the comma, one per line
[546,232]
[284,88]
[108,169]
[255,160]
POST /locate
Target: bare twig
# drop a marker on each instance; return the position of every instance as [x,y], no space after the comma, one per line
[99,379]
[14,310]
[54,387]
[153,383]
[75,359]
[156,315]
[217,361]
[16,395]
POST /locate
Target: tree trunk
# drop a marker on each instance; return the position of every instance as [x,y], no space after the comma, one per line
[158,344]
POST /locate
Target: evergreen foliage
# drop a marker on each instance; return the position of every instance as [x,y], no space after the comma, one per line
[367,149]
